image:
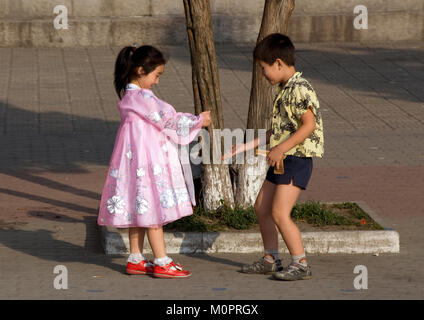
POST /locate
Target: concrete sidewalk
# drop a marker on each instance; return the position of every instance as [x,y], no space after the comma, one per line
[58,120]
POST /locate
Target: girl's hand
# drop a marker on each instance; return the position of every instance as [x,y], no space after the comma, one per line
[234,150]
[206,118]
[273,158]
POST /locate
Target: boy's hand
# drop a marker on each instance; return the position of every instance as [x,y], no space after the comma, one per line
[274,156]
[234,150]
[206,118]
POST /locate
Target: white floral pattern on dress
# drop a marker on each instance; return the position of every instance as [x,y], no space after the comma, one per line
[129,155]
[182,195]
[157,170]
[184,125]
[141,205]
[140,172]
[156,116]
[115,205]
[168,198]
[114,173]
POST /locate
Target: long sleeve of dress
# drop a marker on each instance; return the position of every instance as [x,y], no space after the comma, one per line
[180,127]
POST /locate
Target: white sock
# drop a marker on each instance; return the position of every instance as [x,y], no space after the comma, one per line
[300,259]
[163,261]
[136,258]
[273,253]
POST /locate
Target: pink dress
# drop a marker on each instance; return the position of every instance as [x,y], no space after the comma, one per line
[147,183]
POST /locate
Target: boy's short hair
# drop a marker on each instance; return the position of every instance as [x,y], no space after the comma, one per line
[275,46]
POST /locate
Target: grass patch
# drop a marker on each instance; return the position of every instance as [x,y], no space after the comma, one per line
[222,219]
[337,214]
[346,215]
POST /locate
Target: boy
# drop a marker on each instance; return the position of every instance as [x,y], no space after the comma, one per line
[297,133]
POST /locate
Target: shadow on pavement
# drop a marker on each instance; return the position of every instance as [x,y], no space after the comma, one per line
[53,202]
[27,176]
[211,238]
[206,257]
[42,244]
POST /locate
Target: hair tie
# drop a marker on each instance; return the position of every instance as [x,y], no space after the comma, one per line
[132,52]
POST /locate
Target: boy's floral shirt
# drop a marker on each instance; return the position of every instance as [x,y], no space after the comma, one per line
[290,103]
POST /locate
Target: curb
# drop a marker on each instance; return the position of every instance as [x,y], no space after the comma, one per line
[115,241]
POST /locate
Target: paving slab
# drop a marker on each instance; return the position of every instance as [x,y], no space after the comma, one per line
[57,128]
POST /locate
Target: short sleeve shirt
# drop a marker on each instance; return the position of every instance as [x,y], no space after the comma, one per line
[290,103]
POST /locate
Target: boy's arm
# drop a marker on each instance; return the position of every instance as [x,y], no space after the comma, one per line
[247,146]
[255,143]
[305,130]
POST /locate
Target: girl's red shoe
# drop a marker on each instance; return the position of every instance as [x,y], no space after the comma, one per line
[171,270]
[143,267]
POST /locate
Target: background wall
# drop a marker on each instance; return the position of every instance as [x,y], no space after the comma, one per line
[120,22]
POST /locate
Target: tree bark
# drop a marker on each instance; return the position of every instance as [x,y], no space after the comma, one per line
[276,17]
[217,188]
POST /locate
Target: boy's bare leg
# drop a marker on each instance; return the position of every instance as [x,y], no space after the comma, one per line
[284,200]
[263,210]
[285,197]
[270,263]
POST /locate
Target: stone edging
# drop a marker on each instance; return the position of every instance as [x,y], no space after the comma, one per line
[115,241]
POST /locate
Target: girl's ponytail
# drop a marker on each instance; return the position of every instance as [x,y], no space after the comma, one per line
[123,69]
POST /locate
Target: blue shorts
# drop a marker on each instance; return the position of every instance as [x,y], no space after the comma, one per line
[295,168]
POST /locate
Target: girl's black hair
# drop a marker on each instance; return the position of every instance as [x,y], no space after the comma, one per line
[129,59]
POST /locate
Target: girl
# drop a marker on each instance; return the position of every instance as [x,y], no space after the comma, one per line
[147,186]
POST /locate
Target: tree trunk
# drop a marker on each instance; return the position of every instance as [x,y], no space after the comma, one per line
[216,180]
[276,17]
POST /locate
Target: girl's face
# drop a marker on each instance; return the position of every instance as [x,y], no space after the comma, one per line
[151,79]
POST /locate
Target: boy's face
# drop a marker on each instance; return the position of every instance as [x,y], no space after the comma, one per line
[275,73]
